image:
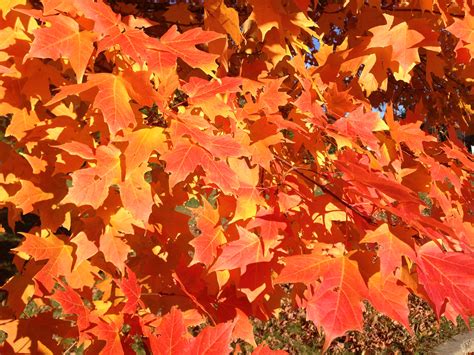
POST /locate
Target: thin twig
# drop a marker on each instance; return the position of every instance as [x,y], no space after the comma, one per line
[398,10]
[325,190]
[68,349]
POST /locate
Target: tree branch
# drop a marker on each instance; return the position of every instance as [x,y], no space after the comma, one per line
[368,219]
[400,9]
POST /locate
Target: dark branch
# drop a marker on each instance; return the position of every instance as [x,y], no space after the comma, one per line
[368,219]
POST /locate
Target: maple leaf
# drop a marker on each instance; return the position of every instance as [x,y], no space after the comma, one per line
[391,249]
[447,276]
[132,291]
[79,149]
[260,150]
[136,194]
[33,334]
[102,15]
[63,39]
[402,40]
[112,99]
[28,195]
[462,29]
[336,302]
[410,134]
[306,102]
[271,223]
[266,16]
[22,121]
[220,174]
[361,124]
[367,79]
[170,338]
[219,16]
[207,95]
[182,45]
[85,248]
[271,19]
[52,7]
[131,41]
[256,281]
[212,340]
[115,250]
[272,97]
[388,296]
[72,304]
[110,332]
[141,144]
[264,349]
[246,250]
[249,194]
[84,275]
[183,160]
[52,249]
[90,186]
[210,237]
[222,146]
[340,103]
[243,328]
[199,89]
[8,5]
[185,157]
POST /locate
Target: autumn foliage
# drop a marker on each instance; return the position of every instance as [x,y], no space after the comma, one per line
[193,164]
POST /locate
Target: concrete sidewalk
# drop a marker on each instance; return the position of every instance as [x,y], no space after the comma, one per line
[461,344]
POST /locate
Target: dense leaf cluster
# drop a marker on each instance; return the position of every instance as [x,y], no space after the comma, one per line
[186,161]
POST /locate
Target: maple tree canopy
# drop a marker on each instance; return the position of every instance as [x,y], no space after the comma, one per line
[193,164]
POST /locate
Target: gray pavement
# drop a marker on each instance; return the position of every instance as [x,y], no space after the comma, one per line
[461,344]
